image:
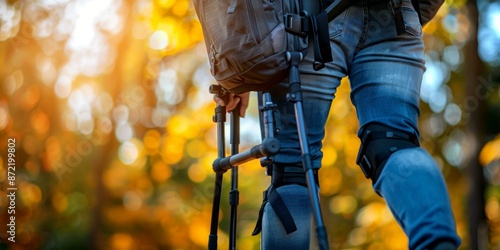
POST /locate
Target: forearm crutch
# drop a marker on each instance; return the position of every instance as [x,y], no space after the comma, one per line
[234,195]
[268,147]
[295,96]
[219,118]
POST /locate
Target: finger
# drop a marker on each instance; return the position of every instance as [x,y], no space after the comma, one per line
[219,101]
[243,108]
[229,101]
[222,101]
[233,103]
[245,98]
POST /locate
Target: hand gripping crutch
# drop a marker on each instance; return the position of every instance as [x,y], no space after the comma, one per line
[268,148]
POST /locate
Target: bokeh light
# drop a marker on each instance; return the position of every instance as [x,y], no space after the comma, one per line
[108,102]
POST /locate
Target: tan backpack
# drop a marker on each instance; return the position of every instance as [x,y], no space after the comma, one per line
[247,40]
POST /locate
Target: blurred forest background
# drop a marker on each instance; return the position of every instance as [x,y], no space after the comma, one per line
[108,102]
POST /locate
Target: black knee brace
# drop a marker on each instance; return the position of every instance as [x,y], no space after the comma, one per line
[378,142]
[289,174]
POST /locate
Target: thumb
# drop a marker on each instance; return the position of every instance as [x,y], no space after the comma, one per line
[219,101]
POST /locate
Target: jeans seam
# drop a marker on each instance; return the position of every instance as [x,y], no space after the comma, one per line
[363,35]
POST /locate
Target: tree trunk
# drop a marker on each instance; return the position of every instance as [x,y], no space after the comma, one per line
[476,106]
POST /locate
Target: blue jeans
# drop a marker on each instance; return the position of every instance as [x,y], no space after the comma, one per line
[385,72]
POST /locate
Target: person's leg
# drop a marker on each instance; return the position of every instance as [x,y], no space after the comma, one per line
[316,106]
[416,193]
[274,236]
[318,89]
[385,79]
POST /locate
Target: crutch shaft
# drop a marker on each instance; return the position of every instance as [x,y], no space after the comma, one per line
[234,193]
[219,118]
[295,96]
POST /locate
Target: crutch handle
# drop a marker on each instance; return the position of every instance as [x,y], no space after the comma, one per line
[217,90]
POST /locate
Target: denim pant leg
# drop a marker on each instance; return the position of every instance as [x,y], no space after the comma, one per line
[318,91]
[385,71]
[274,235]
[411,181]
[385,78]
[316,106]
[416,193]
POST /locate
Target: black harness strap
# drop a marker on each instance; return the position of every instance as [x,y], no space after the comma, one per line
[416,6]
[258,226]
[398,16]
[282,212]
[274,199]
[321,40]
[281,175]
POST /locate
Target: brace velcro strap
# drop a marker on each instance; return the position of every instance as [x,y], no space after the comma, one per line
[282,175]
[274,199]
[294,178]
[286,175]
[282,212]
[258,226]
[377,146]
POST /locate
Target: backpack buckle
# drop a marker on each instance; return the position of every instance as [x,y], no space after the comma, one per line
[296,24]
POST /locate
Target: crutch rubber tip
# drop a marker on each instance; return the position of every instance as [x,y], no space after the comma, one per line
[212,242]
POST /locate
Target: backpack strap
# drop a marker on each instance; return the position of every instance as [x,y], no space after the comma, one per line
[320,32]
[398,16]
[335,8]
[321,40]
[416,6]
[315,24]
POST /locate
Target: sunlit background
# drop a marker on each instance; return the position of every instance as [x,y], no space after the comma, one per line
[108,102]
